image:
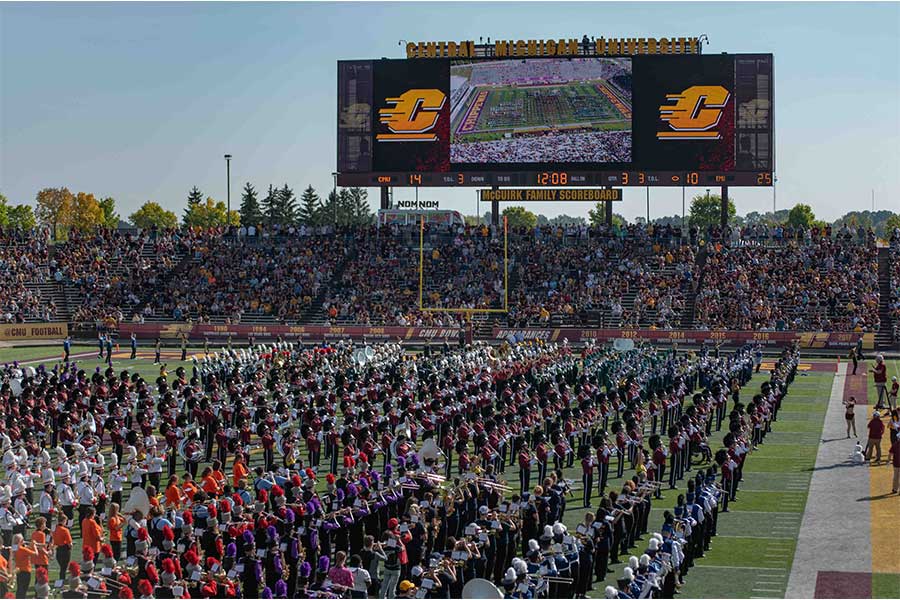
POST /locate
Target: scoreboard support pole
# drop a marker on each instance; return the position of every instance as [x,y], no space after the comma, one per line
[609,211]
[723,213]
[495,209]
[385,198]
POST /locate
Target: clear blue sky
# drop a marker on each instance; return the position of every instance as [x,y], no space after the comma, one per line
[139,101]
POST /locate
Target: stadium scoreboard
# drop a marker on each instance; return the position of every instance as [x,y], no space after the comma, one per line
[590,121]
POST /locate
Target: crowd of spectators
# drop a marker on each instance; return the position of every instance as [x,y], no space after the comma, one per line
[894,300]
[755,278]
[545,71]
[764,234]
[111,270]
[824,285]
[23,261]
[599,276]
[270,277]
[550,146]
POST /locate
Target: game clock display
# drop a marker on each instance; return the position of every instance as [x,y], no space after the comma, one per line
[559,179]
[580,121]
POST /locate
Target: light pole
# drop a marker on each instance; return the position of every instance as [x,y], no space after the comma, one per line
[228,187]
[707,196]
[648,206]
[682,211]
[335,198]
[774,194]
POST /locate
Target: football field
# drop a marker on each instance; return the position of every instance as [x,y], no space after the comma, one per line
[807,522]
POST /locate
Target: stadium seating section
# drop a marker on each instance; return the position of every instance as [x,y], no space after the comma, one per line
[755,278]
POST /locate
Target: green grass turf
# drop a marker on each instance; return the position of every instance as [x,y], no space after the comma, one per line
[723,582]
[23,353]
[885,585]
[749,525]
[144,366]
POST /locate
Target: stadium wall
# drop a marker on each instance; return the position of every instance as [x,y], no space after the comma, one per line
[266,333]
[818,340]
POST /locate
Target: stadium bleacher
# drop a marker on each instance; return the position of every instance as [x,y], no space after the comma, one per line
[750,279]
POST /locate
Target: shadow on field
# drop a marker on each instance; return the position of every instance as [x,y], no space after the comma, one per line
[873,498]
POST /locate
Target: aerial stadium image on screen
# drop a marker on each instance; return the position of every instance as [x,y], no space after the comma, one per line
[571,110]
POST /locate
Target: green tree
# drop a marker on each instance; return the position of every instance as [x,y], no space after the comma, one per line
[54,209]
[21,216]
[566,220]
[345,207]
[358,206]
[890,224]
[110,216]
[597,216]
[270,205]
[705,211]
[151,215]
[287,206]
[330,209]
[519,216]
[250,211]
[195,197]
[4,211]
[801,216]
[310,205]
[210,214]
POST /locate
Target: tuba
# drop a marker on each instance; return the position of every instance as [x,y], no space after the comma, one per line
[194,456]
[430,450]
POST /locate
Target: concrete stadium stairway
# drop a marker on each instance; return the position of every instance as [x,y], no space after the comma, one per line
[51,291]
[314,314]
[184,260]
[690,302]
[883,337]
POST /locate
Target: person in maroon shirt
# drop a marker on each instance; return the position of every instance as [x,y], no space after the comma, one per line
[313,447]
[879,373]
[659,462]
[541,452]
[268,444]
[221,444]
[524,470]
[876,432]
[673,455]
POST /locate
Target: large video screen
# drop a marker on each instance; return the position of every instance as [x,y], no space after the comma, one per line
[639,120]
[541,111]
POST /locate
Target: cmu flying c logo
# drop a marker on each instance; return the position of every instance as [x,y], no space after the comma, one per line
[412,115]
[695,113]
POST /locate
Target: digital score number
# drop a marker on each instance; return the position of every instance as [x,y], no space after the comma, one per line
[553,178]
[764,179]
